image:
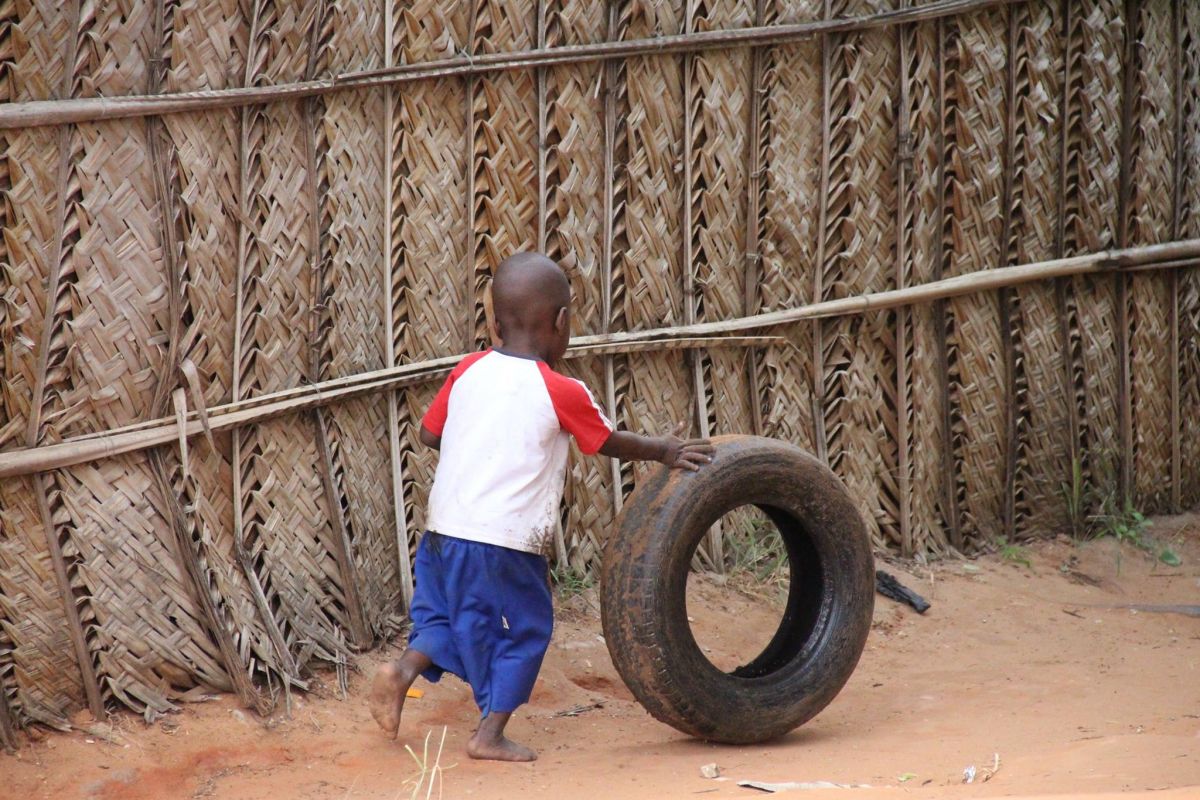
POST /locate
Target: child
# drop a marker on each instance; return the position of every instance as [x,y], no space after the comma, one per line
[481,608]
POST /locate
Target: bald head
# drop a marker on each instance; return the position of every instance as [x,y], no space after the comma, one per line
[527,293]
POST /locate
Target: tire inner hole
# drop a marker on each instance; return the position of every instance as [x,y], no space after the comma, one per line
[744,613]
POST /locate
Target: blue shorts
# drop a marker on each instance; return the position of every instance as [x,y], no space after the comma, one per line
[484,613]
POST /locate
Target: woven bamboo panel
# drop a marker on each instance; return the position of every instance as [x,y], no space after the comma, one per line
[1040,395]
[1091,224]
[1151,211]
[923,409]
[503,148]
[356,340]
[617,150]
[418,464]
[1189,280]
[718,110]
[202,155]
[716,145]
[431,269]
[654,390]
[786,373]
[792,83]
[39,673]
[286,525]
[858,354]
[145,639]
[974,130]
[573,187]
[793,87]
[660,390]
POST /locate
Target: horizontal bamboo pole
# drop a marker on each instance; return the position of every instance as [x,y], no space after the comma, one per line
[166,430]
[33,113]
[1134,259]
[705,334]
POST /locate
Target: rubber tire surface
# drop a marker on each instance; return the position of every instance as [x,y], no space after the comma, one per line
[825,622]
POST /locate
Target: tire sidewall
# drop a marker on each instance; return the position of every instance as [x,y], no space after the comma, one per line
[650,558]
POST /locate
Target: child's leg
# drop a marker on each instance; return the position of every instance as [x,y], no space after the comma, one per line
[431,648]
[526,613]
[489,742]
[390,687]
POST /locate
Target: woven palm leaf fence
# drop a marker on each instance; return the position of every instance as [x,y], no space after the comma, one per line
[949,247]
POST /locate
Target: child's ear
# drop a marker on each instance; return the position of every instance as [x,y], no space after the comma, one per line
[560,321]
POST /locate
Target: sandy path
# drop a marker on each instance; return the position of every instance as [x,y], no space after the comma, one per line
[1080,704]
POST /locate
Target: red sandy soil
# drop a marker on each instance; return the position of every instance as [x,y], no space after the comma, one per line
[1028,663]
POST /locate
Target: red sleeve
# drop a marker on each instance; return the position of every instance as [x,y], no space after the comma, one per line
[578,413]
[434,420]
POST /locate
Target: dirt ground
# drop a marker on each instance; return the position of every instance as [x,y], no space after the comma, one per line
[1032,665]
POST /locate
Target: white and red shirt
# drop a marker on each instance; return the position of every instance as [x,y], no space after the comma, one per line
[504,422]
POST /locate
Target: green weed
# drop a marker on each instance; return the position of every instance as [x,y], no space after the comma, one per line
[1075,495]
[569,582]
[1120,521]
[1013,553]
[1096,510]
[756,551]
[755,558]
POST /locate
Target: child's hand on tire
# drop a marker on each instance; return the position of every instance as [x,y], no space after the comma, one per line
[689,454]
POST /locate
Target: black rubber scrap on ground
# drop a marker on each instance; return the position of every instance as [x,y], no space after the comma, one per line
[889,587]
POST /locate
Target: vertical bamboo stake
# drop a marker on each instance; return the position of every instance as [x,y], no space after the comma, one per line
[8,723]
[818,328]
[42,485]
[343,551]
[941,308]
[903,313]
[689,266]
[560,543]
[287,664]
[1176,227]
[754,189]
[160,149]
[8,726]
[469,164]
[689,261]
[1008,299]
[1124,192]
[540,77]
[399,510]
[1063,286]
[611,74]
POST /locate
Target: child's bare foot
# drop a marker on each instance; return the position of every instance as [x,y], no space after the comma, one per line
[498,749]
[386,699]
[390,687]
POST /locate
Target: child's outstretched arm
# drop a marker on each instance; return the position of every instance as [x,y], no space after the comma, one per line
[690,454]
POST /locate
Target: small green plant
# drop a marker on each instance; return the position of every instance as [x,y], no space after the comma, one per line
[1075,494]
[1096,508]
[756,551]
[1013,553]
[755,558]
[569,582]
[1169,557]
[1121,521]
